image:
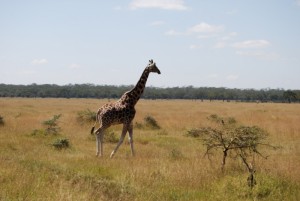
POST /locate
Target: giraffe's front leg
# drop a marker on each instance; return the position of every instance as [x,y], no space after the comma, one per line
[124,131]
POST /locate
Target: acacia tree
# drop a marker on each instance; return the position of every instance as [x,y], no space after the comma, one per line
[241,141]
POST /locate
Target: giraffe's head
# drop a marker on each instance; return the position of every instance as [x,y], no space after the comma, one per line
[152,67]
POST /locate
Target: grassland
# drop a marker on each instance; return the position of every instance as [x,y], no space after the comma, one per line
[167,166]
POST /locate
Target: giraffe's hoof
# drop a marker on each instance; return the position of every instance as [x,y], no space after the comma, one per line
[112,155]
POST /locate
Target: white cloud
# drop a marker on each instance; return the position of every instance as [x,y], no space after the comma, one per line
[205,28]
[202,31]
[251,44]
[39,61]
[258,54]
[161,4]
[298,2]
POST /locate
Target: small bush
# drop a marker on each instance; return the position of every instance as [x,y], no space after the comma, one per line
[231,120]
[1,121]
[138,125]
[215,118]
[110,137]
[61,143]
[86,116]
[37,132]
[163,132]
[151,122]
[194,132]
[176,154]
[221,120]
[52,125]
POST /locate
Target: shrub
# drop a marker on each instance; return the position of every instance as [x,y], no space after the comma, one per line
[52,125]
[1,121]
[162,132]
[138,125]
[151,122]
[231,120]
[194,132]
[176,154]
[37,132]
[110,137]
[86,116]
[221,120]
[61,143]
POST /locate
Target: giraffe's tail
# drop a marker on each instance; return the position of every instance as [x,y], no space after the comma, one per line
[97,120]
[92,130]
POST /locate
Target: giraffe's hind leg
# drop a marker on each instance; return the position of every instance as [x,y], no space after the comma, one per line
[99,142]
[130,138]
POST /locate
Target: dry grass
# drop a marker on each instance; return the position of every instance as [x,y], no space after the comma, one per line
[167,166]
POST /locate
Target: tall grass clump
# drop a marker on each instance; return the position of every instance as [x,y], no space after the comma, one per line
[151,122]
[52,125]
[1,121]
[148,123]
[233,187]
[86,116]
[61,143]
[110,136]
[194,132]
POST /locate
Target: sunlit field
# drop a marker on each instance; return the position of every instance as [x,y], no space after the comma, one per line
[168,165]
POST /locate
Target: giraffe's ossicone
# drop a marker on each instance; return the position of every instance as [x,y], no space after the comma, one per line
[121,112]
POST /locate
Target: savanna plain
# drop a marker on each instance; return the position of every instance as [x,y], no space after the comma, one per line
[168,165]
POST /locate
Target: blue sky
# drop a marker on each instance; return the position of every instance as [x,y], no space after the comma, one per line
[218,43]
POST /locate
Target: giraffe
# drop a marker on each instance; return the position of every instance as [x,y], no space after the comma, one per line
[121,112]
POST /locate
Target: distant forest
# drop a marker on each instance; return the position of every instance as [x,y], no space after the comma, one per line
[189,92]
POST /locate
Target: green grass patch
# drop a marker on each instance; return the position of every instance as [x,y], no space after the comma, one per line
[234,187]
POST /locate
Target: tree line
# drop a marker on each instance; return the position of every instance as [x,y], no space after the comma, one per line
[187,92]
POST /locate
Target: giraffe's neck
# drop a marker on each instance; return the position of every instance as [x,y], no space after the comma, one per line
[138,90]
